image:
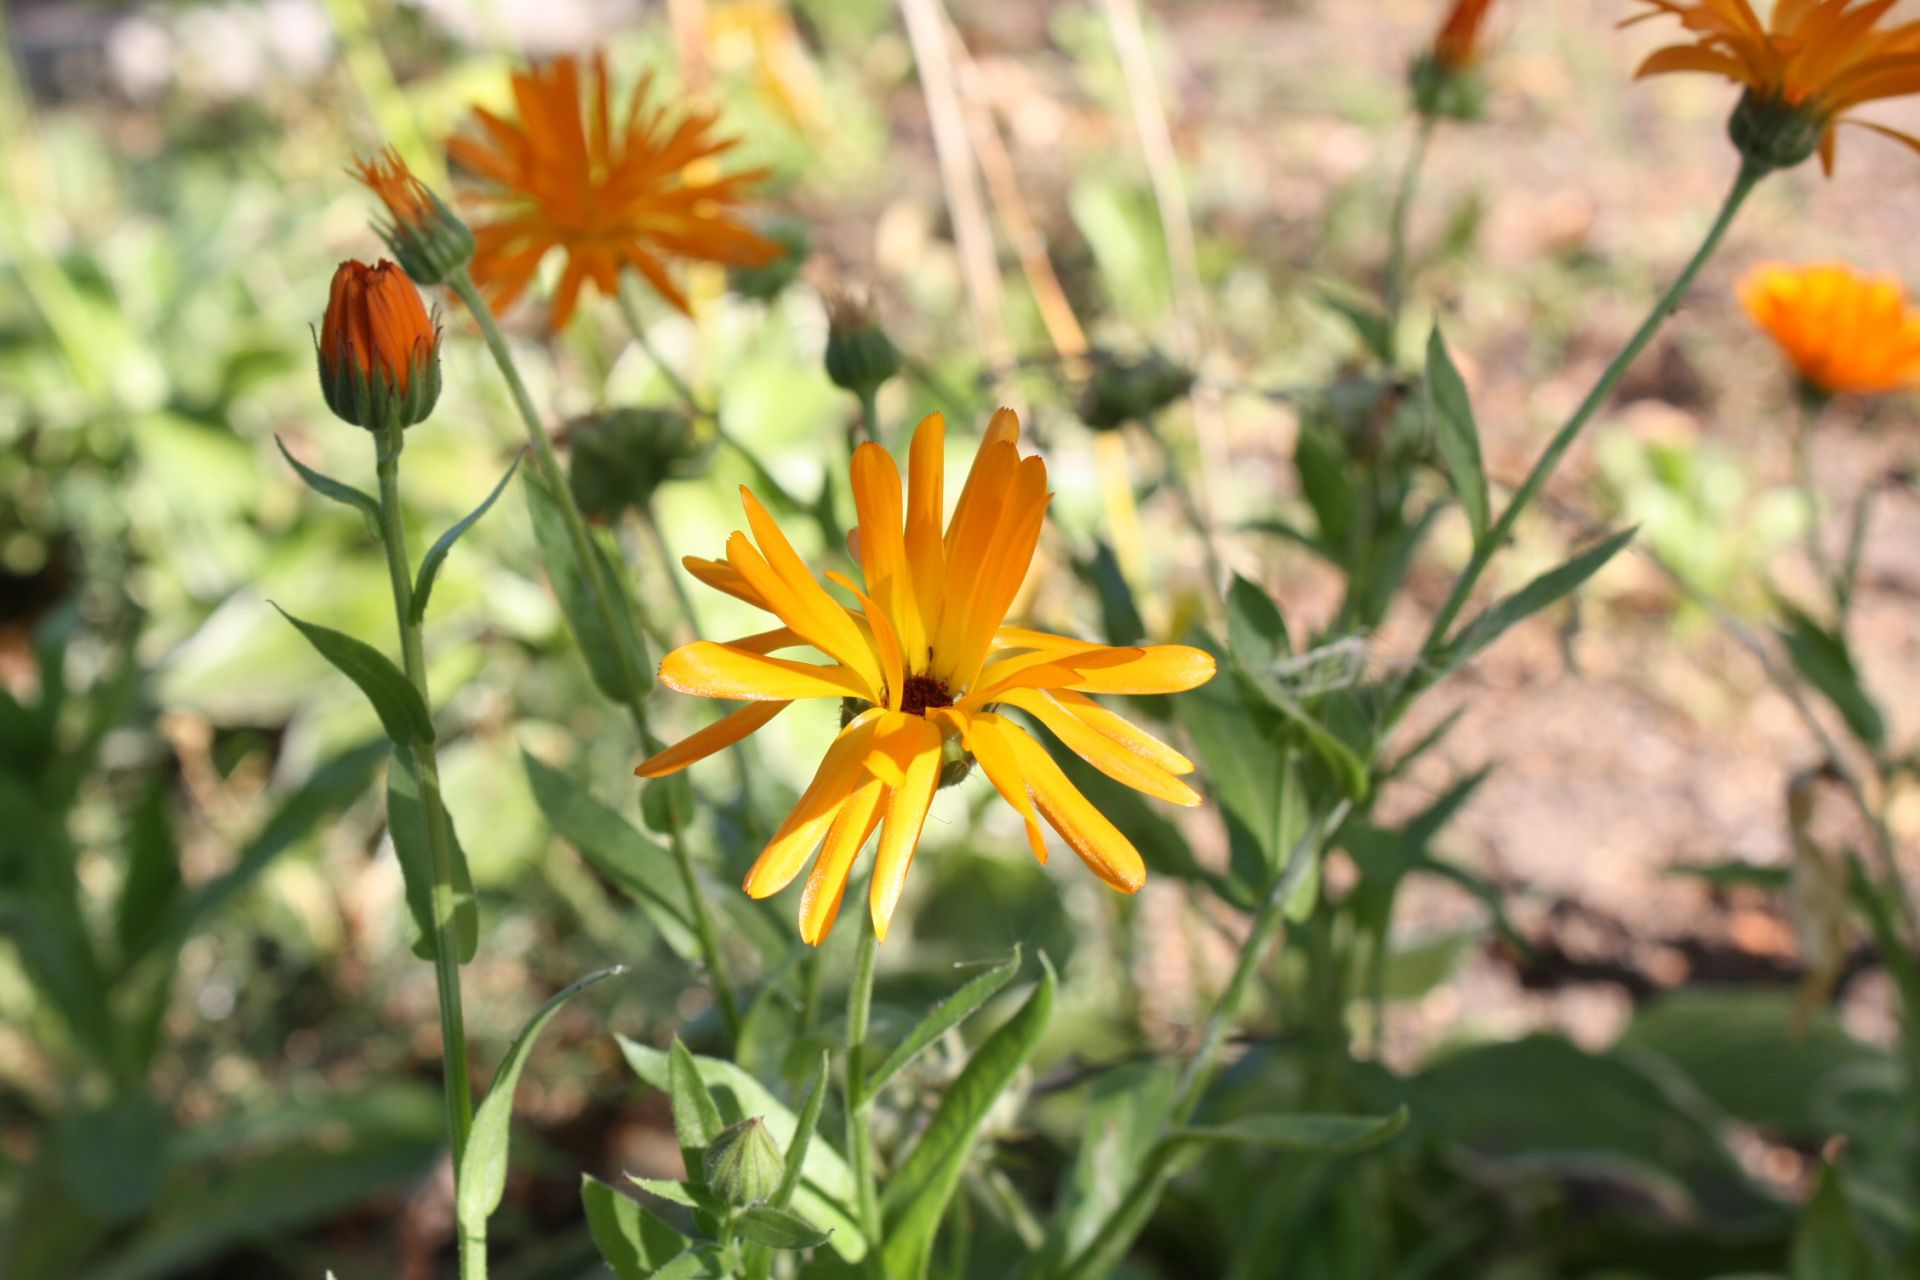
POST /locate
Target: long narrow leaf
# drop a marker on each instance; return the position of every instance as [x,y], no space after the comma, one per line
[1455,433]
[1544,590]
[403,713]
[327,487]
[437,553]
[407,819]
[950,1013]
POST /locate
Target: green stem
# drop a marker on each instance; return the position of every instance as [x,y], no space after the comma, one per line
[1115,1236]
[869,416]
[1743,185]
[679,385]
[1810,406]
[1395,291]
[446,964]
[859,1111]
[607,604]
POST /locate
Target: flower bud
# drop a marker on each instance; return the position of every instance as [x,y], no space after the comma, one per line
[743,1164]
[1122,391]
[428,238]
[860,356]
[1773,133]
[1444,90]
[620,456]
[379,350]
[769,280]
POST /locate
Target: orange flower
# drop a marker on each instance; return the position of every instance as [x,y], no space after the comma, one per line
[1845,332]
[1806,68]
[379,349]
[609,193]
[925,671]
[1458,43]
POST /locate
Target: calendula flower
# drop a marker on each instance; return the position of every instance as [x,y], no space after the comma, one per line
[425,235]
[1805,68]
[608,192]
[926,670]
[379,350]
[1847,333]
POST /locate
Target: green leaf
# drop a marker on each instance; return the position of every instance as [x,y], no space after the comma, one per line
[437,553]
[827,1183]
[923,1184]
[803,1132]
[403,713]
[696,1118]
[1824,661]
[1544,590]
[1319,1134]
[407,820]
[1828,1245]
[328,487]
[1320,459]
[1456,435]
[641,869]
[152,885]
[950,1013]
[483,1171]
[1370,324]
[1251,763]
[617,662]
[763,1224]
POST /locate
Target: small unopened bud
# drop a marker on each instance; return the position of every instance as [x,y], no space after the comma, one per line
[1122,391]
[1773,133]
[743,1164]
[620,456]
[428,238]
[769,280]
[955,763]
[860,356]
[379,350]
[1444,90]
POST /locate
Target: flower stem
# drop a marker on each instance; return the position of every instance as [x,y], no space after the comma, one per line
[1523,497]
[607,604]
[1810,496]
[859,1108]
[1396,282]
[446,964]
[674,380]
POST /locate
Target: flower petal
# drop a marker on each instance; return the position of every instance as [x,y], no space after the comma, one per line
[1160,668]
[981,734]
[827,883]
[724,732]
[1107,853]
[709,670]
[1102,752]
[839,774]
[906,816]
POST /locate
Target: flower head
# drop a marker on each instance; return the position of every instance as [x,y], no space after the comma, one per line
[379,349]
[1446,78]
[1806,68]
[926,671]
[1846,333]
[427,237]
[610,193]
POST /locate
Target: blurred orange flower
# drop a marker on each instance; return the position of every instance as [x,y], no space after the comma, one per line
[1805,68]
[925,670]
[1458,43]
[1845,332]
[608,192]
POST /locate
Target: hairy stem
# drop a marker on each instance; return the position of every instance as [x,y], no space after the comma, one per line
[1396,282]
[859,1108]
[446,963]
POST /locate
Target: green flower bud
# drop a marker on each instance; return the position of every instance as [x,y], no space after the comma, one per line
[743,1164]
[1443,91]
[769,280]
[1122,391]
[860,356]
[618,457]
[428,238]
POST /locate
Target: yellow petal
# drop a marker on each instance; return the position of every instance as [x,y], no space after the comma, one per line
[1160,668]
[1102,752]
[722,576]
[824,619]
[882,542]
[906,815]
[981,734]
[724,732]
[827,883]
[709,670]
[1107,853]
[812,613]
[886,642]
[1048,669]
[926,548]
[839,774]
[1122,730]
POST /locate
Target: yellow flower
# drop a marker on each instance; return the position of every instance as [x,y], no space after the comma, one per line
[925,671]
[609,193]
[1806,68]
[1845,332]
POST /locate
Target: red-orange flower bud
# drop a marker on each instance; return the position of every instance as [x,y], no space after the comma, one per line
[379,349]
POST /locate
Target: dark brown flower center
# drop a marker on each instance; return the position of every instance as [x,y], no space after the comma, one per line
[922,694]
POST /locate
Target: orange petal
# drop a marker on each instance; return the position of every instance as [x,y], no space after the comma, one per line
[1102,752]
[839,774]
[981,734]
[827,883]
[906,816]
[724,732]
[1160,668]
[709,670]
[1107,853]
